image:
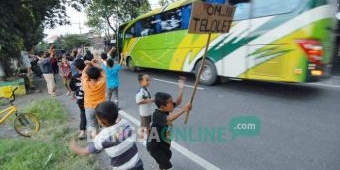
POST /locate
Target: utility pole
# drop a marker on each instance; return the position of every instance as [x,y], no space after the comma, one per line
[79,26]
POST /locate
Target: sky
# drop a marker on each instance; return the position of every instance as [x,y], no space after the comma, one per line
[77,20]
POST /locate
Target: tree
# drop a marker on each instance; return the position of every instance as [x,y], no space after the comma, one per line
[75,40]
[22,23]
[165,2]
[105,16]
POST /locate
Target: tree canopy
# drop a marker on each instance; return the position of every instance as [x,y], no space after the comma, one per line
[105,16]
[22,23]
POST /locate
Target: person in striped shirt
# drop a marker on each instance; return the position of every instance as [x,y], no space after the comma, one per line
[117,138]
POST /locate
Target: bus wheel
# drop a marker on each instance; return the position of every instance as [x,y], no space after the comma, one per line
[209,73]
[131,64]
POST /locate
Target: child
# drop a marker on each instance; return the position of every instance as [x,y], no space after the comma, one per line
[116,138]
[103,57]
[112,79]
[159,148]
[111,52]
[94,86]
[66,74]
[75,85]
[143,100]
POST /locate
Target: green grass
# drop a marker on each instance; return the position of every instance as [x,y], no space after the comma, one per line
[49,148]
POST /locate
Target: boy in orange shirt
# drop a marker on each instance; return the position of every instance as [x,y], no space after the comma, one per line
[94,86]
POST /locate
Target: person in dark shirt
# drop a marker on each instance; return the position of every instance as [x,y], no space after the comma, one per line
[158,143]
[76,86]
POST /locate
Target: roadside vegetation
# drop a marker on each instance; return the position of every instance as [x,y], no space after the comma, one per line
[49,148]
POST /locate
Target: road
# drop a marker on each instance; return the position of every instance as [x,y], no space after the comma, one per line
[299,126]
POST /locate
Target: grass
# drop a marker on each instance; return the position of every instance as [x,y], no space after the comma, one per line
[49,148]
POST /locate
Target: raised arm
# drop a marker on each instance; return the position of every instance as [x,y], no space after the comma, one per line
[174,116]
[181,82]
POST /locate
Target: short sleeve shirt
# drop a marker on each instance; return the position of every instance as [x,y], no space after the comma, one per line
[142,94]
[93,93]
[159,121]
[112,75]
[118,141]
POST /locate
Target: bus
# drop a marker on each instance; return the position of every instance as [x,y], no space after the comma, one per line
[269,40]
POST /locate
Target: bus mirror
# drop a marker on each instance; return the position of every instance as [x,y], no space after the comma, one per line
[234,2]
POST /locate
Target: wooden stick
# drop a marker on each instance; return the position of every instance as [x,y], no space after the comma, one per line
[198,77]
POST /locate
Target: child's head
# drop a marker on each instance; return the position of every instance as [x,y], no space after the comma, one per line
[143,79]
[79,64]
[93,73]
[164,102]
[64,60]
[106,113]
[41,54]
[103,56]
[110,62]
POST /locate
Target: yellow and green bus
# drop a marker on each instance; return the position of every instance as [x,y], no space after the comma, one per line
[269,40]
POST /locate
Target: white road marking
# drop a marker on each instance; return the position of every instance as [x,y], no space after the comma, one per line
[192,156]
[170,82]
[326,85]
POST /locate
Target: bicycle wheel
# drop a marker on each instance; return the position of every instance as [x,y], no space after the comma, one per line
[26,124]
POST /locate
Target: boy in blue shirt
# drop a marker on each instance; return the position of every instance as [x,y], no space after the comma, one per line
[112,79]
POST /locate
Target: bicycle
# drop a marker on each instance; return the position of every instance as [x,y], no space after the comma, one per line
[25,124]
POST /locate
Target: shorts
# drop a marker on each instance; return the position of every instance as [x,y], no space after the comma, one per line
[145,121]
[161,153]
[66,81]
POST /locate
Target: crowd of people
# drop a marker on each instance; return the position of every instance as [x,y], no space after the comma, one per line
[93,83]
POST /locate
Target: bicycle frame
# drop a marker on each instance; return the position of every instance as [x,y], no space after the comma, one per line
[9,111]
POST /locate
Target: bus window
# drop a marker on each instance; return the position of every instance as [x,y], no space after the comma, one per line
[149,26]
[242,11]
[185,16]
[170,20]
[274,7]
[130,32]
[156,21]
[138,27]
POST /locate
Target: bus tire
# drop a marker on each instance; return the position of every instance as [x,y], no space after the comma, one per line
[209,73]
[131,64]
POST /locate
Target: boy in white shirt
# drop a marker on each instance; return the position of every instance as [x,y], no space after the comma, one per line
[144,101]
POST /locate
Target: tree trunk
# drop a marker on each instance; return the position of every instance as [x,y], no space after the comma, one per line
[2,73]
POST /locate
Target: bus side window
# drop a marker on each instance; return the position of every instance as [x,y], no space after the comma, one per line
[157,22]
[148,26]
[145,28]
[138,27]
[185,16]
[130,32]
[274,7]
[170,20]
[242,11]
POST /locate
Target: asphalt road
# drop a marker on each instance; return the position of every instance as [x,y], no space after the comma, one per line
[299,123]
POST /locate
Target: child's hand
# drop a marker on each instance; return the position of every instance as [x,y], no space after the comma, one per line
[94,60]
[73,98]
[187,107]
[181,82]
[87,62]
[72,144]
